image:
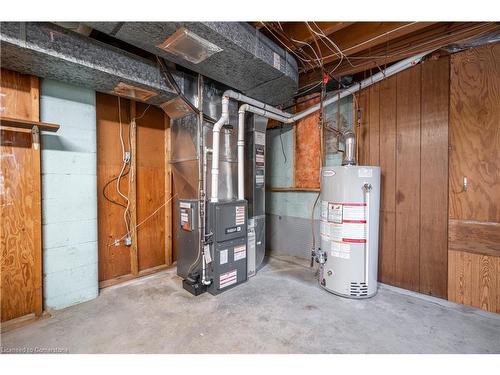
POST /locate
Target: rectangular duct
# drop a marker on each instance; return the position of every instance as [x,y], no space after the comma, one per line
[50,51]
[189,46]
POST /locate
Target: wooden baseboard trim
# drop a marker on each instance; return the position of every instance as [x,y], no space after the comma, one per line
[128,277]
[22,321]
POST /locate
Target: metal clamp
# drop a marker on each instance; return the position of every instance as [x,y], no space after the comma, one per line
[35,134]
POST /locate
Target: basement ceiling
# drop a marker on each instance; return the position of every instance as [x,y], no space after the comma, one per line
[246,60]
[346,48]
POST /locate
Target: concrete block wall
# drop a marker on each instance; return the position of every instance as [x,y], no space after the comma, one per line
[69,195]
[288,214]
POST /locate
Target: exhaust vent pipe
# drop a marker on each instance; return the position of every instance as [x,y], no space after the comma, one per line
[350,149]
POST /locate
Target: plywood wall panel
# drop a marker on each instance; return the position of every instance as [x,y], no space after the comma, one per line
[408,179]
[20,201]
[434,177]
[473,280]
[114,260]
[474,142]
[18,100]
[150,186]
[475,134]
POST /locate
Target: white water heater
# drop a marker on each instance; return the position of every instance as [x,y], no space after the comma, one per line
[350,200]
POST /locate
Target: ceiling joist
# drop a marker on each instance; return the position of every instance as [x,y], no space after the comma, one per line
[430,38]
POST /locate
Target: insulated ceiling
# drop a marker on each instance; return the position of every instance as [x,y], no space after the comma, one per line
[248,61]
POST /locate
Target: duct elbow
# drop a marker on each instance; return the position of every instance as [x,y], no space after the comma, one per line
[224,116]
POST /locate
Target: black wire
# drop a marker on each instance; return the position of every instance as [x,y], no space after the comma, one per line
[167,75]
[281,139]
[106,186]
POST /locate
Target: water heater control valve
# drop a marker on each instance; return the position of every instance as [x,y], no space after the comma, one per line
[320,256]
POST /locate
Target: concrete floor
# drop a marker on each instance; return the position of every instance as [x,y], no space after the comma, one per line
[281,310]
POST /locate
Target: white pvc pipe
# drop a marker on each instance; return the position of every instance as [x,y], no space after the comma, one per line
[255,103]
[241,152]
[215,147]
[227,163]
[268,111]
[367,243]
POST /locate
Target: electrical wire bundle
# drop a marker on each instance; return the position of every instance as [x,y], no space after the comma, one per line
[124,171]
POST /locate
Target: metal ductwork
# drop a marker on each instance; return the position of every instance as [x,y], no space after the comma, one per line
[232,53]
[50,51]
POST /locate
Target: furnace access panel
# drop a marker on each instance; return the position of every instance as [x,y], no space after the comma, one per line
[228,224]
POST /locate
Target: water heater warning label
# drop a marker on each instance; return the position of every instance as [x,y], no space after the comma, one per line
[344,222]
[354,212]
[324,210]
[341,250]
[335,212]
[354,232]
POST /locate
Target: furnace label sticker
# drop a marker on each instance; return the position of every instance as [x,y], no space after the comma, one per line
[228,278]
[260,138]
[185,212]
[335,212]
[184,205]
[223,256]
[240,252]
[239,215]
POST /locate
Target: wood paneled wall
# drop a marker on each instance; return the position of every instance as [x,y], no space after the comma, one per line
[404,129]
[474,240]
[149,182]
[20,200]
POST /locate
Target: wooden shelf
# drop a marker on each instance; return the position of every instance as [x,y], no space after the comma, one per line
[481,238]
[27,124]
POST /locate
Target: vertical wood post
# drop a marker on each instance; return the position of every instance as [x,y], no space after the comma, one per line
[132,193]
[37,204]
[168,195]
